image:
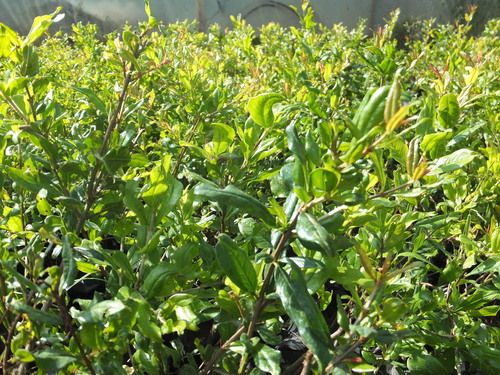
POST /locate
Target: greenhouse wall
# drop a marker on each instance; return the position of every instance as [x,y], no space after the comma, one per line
[112,13]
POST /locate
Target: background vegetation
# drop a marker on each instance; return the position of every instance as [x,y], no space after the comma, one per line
[312,200]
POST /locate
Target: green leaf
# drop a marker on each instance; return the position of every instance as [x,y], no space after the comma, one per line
[452,162]
[93,98]
[121,264]
[40,25]
[24,180]
[294,143]
[489,265]
[231,196]
[312,234]
[53,360]
[222,137]
[304,312]
[426,364]
[267,359]
[116,159]
[69,266]
[131,200]
[392,309]
[147,327]
[38,316]
[235,262]
[145,361]
[261,108]
[448,111]
[171,198]
[151,20]
[15,224]
[8,40]
[312,149]
[363,368]
[434,143]
[159,280]
[324,181]
[24,355]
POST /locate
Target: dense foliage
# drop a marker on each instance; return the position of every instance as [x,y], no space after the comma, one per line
[289,200]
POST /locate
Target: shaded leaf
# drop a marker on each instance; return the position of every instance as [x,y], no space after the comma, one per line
[157,282]
[426,364]
[69,266]
[37,315]
[236,264]
[53,360]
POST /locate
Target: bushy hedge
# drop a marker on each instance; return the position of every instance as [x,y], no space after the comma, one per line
[285,201]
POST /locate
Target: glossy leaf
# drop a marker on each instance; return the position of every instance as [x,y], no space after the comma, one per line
[69,266]
[304,312]
[261,108]
[236,264]
[231,196]
[268,359]
[452,162]
[312,234]
[295,144]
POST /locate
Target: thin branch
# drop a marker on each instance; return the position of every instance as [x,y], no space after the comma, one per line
[10,335]
[206,367]
[72,332]
[307,363]
[346,353]
[390,191]
[190,136]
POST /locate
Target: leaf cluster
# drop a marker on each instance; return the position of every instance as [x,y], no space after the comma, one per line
[298,200]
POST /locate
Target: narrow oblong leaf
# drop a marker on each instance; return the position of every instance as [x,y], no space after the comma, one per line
[231,196]
[304,312]
[51,361]
[92,97]
[452,162]
[37,315]
[236,264]
[312,234]
[294,143]
[41,24]
[151,20]
[397,118]
[131,200]
[69,266]
[489,265]
[261,108]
